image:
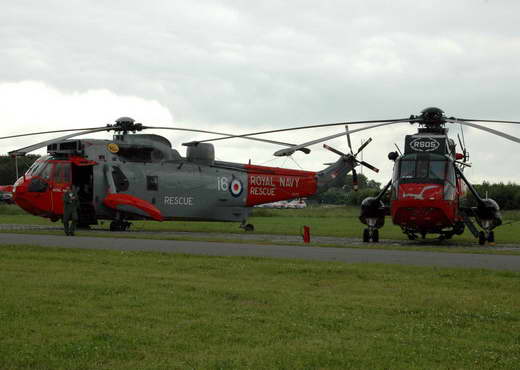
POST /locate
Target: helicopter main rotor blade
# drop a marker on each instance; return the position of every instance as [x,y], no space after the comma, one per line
[312,126]
[291,150]
[28,149]
[218,133]
[84,131]
[348,140]
[485,120]
[487,129]
[48,132]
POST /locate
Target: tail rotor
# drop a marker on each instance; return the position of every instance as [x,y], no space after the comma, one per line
[352,156]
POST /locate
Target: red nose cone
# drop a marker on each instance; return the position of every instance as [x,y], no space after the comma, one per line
[20,196]
[20,189]
[25,199]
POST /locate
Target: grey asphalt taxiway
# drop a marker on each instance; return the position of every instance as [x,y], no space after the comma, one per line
[347,255]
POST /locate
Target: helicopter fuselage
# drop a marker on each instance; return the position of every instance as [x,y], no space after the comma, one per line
[142,177]
[426,193]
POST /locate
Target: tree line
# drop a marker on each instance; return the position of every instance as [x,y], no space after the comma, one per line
[345,193]
[8,167]
[506,195]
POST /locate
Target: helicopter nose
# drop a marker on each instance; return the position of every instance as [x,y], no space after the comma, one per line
[20,189]
[21,195]
[21,186]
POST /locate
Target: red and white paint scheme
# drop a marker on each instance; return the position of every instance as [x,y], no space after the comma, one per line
[267,184]
[424,207]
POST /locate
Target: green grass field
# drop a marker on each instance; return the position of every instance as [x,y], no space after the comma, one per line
[80,309]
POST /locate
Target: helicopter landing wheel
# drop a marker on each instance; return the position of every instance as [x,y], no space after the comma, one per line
[116,226]
[119,225]
[491,237]
[375,236]
[481,238]
[249,228]
[411,236]
[448,235]
[366,236]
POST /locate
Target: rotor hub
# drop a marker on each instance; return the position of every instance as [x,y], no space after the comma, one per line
[431,119]
[125,125]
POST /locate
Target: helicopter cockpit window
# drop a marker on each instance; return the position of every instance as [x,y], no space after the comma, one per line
[437,169]
[450,175]
[35,168]
[423,168]
[43,170]
[407,169]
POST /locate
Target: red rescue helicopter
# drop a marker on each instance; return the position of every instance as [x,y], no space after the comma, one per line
[428,186]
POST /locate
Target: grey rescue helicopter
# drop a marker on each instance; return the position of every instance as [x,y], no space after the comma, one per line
[140,176]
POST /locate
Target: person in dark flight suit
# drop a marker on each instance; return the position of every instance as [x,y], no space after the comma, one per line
[70,210]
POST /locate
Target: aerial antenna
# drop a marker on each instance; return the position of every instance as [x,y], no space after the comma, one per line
[294,160]
[399,150]
[463,147]
[462,132]
[16,164]
[463,143]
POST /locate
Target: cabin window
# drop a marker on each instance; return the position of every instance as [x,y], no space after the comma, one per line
[37,185]
[152,183]
[62,173]
[136,154]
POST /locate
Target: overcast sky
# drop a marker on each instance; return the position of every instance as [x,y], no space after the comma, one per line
[239,66]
